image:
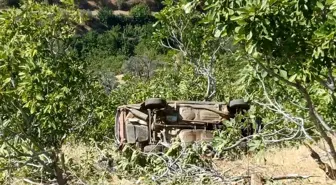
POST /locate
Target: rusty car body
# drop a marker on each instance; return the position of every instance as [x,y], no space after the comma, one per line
[157,121]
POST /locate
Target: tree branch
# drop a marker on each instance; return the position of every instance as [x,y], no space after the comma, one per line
[290,176]
[276,107]
[319,123]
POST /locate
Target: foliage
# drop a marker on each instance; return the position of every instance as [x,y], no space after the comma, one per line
[180,27]
[175,165]
[121,20]
[291,46]
[140,12]
[265,68]
[141,67]
[139,15]
[116,41]
[46,92]
[61,98]
[168,83]
[104,15]
[146,60]
[9,3]
[107,54]
[99,162]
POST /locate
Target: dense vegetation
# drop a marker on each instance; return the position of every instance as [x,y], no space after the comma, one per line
[59,86]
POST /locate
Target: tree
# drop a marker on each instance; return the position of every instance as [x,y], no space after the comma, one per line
[182,27]
[293,42]
[140,11]
[104,15]
[9,3]
[145,62]
[46,94]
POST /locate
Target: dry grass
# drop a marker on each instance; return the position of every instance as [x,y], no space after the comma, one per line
[273,162]
[78,153]
[283,161]
[278,162]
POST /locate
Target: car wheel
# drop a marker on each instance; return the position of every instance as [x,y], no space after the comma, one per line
[155,103]
[238,105]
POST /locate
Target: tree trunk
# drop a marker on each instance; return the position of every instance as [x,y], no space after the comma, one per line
[317,120]
[57,170]
[211,88]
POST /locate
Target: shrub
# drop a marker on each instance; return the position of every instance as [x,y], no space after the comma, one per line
[105,14]
[46,93]
[120,20]
[140,11]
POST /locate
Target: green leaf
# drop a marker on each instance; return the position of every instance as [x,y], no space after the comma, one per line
[292,78]
[283,73]
[256,55]
[188,7]
[39,97]
[249,36]
[235,18]
[320,5]
[268,38]
[241,22]
[6,81]
[237,29]
[330,2]
[250,48]
[218,33]
[264,3]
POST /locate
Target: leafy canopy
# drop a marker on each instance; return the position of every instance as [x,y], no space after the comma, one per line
[46,93]
[293,43]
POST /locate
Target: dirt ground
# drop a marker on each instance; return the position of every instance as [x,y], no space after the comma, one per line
[270,163]
[279,162]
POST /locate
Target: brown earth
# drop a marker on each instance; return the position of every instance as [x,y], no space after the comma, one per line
[272,162]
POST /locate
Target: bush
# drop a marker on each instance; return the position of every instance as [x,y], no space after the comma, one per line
[119,20]
[105,14]
[140,12]
[60,98]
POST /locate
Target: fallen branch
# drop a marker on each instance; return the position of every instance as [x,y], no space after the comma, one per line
[31,182]
[290,176]
[330,172]
[259,180]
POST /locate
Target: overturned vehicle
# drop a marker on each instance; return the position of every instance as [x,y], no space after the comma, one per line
[155,122]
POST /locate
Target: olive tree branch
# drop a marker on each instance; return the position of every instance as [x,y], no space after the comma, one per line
[320,124]
[276,107]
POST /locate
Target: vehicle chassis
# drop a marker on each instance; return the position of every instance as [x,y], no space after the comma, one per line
[156,121]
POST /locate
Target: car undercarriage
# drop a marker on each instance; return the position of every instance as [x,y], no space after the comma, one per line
[156,121]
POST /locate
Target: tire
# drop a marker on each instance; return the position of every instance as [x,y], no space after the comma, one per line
[239,104]
[155,103]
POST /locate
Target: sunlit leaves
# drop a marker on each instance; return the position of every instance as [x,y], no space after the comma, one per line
[294,40]
[46,93]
